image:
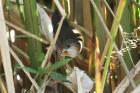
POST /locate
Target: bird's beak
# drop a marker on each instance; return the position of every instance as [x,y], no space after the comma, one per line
[64,52]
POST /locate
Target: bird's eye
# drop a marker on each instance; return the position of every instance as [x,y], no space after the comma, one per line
[68,46]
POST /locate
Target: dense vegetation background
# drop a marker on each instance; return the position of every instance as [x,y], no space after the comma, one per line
[110,26]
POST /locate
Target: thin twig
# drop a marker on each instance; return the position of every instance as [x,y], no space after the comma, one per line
[26,32]
[105,52]
[62,11]
[115,46]
[26,72]
[20,51]
[52,45]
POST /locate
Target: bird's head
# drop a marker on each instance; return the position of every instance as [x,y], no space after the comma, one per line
[71,48]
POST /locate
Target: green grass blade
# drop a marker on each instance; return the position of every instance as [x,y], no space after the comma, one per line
[114,31]
[32,25]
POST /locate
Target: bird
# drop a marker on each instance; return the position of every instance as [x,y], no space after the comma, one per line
[70,40]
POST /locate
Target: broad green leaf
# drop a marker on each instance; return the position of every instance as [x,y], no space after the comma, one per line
[59,64]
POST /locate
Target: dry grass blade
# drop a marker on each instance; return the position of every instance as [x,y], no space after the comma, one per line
[97,69]
[26,32]
[2,86]
[125,82]
[60,8]
[52,45]
[4,48]
[27,73]
[20,51]
[105,52]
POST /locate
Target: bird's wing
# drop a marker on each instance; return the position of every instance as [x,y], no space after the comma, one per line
[46,24]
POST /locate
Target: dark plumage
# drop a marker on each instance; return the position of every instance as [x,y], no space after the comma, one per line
[66,29]
[67,36]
